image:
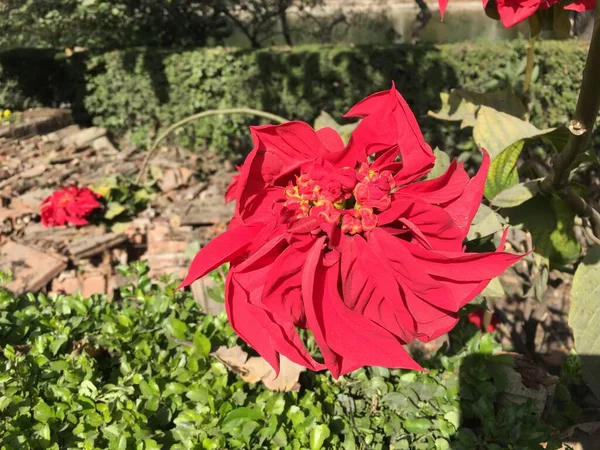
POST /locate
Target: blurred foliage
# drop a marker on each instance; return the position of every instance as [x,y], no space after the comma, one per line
[109,23]
[136,372]
[140,91]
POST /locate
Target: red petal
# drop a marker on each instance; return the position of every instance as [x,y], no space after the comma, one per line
[382,301]
[331,140]
[313,289]
[514,11]
[439,190]
[428,223]
[225,247]
[257,326]
[282,294]
[463,209]
[581,5]
[442,4]
[388,121]
[356,339]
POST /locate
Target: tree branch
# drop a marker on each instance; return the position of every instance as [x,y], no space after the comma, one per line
[581,127]
[210,112]
[586,113]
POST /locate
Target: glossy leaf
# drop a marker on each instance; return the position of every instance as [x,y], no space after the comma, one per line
[495,130]
[503,171]
[584,314]
[485,223]
[516,195]
[550,222]
[442,162]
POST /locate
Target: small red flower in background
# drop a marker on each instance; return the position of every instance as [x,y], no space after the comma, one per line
[476,318]
[512,12]
[345,242]
[68,204]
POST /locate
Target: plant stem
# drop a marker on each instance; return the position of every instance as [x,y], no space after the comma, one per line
[210,112]
[581,128]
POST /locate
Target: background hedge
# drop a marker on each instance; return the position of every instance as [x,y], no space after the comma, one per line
[145,89]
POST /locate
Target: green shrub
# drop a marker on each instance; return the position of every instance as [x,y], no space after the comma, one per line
[135,372]
[141,90]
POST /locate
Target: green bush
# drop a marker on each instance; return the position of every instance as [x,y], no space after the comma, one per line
[135,372]
[138,91]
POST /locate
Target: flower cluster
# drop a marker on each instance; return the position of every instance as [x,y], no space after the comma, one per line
[345,241]
[512,12]
[69,204]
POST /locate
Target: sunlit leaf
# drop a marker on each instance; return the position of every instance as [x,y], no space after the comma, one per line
[584,314]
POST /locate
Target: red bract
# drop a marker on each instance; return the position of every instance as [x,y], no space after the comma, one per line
[476,318]
[512,12]
[68,204]
[345,242]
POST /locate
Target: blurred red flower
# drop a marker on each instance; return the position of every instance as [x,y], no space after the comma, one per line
[476,318]
[512,12]
[345,242]
[68,204]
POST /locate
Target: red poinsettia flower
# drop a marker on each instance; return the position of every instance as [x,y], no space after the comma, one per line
[346,242]
[232,189]
[476,318]
[68,204]
[512,12]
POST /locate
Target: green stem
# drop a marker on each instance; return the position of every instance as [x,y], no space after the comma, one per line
[207,113]
[581,127]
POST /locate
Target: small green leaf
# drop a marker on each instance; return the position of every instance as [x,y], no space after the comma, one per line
[239,416]
[113,209]
[503,171]
[417,426]
[493,289]
[176,328]
[463,106]
[42,412]
[485,223]
[584,314]
[517,194]
[326,121]
[201,344]
[442,162]
[318,436]
[550,222]
[454,418]
[441,444]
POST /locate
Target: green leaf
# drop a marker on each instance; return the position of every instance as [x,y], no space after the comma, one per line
[318,436]
[461,105]
[503,171]
[175,327]
[584,315]
[239,416]
[550,222]
[326,121]
[113,209]
[42,412]
[495,130]
[485,223]
[201,344]
[441,444]
[417,426]
[517,194]
[493,289]
[442,162]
